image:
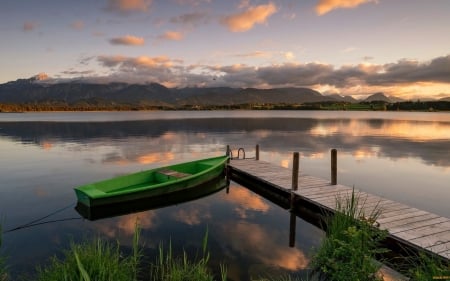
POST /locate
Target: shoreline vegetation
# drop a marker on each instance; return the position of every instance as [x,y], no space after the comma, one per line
[103,105]
[351,250]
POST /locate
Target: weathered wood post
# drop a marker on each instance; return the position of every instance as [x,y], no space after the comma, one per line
[333,166]
[257,152]
[295,168]
[227,169]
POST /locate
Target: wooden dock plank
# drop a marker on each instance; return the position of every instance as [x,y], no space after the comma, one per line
[404,223]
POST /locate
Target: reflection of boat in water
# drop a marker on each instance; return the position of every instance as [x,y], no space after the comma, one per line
[151,183]
[139,205]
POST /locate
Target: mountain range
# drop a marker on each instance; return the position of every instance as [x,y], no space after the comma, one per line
[36,89]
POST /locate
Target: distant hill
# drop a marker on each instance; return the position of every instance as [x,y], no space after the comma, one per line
[382,97]
[36,90]
[445,99]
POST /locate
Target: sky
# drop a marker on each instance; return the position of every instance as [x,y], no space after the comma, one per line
[348,47]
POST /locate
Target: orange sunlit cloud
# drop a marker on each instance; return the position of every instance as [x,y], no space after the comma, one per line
[326,6]
[29,26]
[253,239]
[77,25]
[129,5]
[172,35]
[129,40]
[246,20]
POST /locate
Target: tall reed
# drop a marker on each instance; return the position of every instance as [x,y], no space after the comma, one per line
[352,242]
[184,268]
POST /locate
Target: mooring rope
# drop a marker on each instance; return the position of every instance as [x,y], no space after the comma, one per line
[39,220]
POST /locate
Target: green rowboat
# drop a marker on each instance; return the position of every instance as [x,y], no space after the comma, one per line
[151,183]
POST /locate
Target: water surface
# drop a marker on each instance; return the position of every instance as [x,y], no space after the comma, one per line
[401,156]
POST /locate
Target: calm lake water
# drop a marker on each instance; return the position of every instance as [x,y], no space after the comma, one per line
[400,156]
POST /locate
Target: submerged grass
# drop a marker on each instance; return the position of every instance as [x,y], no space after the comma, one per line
[352,243]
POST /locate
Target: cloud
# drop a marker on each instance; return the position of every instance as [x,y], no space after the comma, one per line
[326,6]
[255,54]
[246,20]
[193,2]
[127,6]
[77,25]
[172,35]
[402,78]
[129,40]
[194,18]
[29,26]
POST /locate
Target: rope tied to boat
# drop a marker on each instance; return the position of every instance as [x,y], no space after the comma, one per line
[40,222]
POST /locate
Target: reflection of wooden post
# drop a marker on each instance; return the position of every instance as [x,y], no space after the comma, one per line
[333,166]
[295,167]
[257,152]
[292,226]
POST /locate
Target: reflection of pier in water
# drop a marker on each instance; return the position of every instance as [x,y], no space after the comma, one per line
[409,228]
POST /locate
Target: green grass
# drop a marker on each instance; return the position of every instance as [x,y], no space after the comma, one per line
[102,261]
[423,267]
[352,243]
[170,268]
[3,273]
[97,260]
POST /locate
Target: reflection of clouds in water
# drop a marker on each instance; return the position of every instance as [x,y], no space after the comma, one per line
[46,145]
[125,225]
[192,215]
[411,130]
[259,243]
[245,201]
[155,157]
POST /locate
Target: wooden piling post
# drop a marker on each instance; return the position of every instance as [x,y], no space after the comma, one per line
[333,166]
[257,152]
[295,168]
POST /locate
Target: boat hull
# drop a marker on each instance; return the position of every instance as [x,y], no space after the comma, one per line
[151,183]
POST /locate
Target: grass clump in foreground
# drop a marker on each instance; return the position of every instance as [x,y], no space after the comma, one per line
[89,261]
[423,267]
[352,243]
[102,261]
[168,267]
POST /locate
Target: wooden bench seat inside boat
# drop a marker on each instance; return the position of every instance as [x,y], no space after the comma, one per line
[173,173]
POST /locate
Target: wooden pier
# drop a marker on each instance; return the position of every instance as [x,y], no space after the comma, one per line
[407,226]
